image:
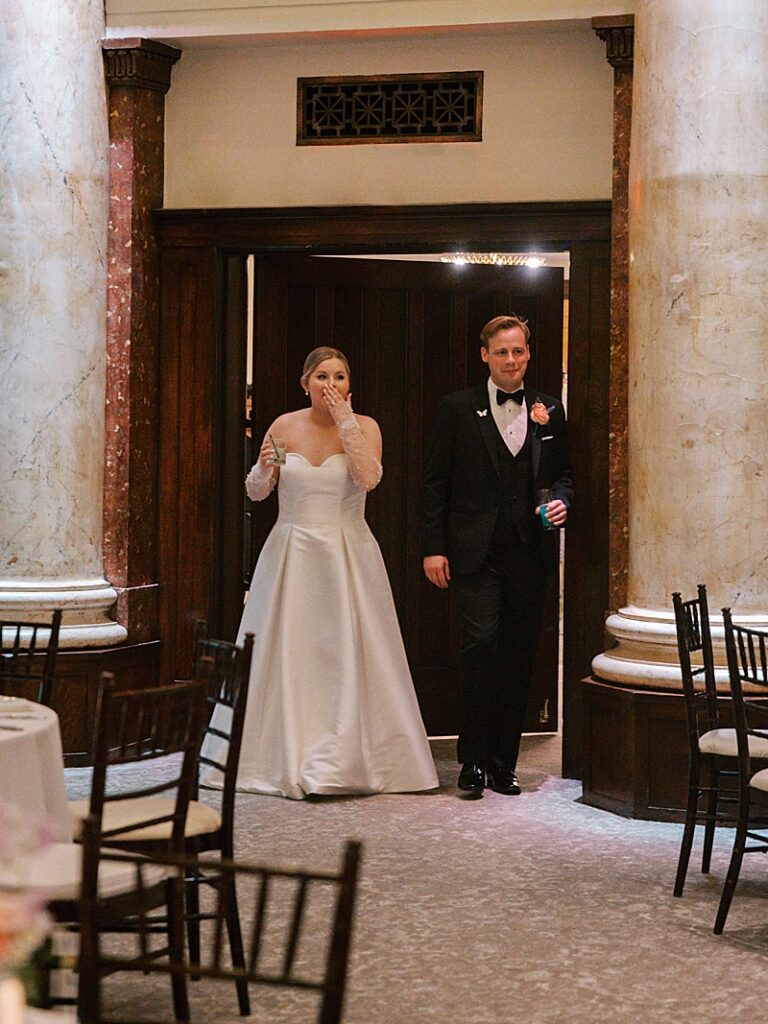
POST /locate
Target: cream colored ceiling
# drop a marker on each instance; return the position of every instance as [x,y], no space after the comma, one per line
[235,22]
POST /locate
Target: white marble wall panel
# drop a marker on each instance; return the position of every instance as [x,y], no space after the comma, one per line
[698,359]
[53,221]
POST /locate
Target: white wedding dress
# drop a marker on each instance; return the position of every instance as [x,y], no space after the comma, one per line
[331,707]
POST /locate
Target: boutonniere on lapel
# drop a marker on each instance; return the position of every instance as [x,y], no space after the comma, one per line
[540,415]
[482,412]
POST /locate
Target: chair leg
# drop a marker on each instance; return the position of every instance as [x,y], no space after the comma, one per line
[713,782]
[88,990]
[330,1010]
[688,831]
[236,942]
[739,842]
[88,1000]
[176,946]
[192,896]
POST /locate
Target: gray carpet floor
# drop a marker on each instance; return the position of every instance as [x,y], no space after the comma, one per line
[507,910]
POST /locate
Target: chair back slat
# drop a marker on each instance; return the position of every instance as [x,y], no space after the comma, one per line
[28,652]
[296,921]
[259,917]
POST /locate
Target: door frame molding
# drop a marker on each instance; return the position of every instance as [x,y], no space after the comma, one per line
[347,230]
[194,246]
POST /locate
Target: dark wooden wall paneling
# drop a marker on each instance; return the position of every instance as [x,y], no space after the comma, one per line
[226,602]
[586,564]
[193,247]
[350,229]
[188,346]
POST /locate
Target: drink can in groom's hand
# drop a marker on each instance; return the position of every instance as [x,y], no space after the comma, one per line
[543,497]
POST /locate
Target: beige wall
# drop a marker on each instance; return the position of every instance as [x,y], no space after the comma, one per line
[230,128]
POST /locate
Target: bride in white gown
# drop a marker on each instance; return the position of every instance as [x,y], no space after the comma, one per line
[331,707]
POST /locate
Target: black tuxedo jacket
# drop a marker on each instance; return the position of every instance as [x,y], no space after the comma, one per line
[462,491]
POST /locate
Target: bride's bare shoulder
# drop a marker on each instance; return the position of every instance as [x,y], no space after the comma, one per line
[287,420]
[367,422]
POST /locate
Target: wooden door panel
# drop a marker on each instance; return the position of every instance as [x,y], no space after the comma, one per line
[186,479]
[410,331]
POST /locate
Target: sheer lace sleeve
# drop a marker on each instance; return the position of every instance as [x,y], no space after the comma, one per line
[364,468]
[260,482]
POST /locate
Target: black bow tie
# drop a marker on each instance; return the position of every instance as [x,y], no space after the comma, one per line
[504,396]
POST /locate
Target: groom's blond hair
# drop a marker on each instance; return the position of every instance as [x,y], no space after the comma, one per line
[503,323]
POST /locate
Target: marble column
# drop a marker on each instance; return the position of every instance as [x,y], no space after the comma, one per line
[698,320]
[53,230]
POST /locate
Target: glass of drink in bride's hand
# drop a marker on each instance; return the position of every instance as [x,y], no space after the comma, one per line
[278,451]
[543,498]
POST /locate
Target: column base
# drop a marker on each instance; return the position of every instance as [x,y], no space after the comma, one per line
[86,604]
[635,751]
[645,655]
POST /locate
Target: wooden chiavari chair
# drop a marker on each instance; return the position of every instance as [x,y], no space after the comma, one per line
[285,909]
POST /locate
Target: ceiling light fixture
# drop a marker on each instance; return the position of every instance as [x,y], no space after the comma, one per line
[497,259]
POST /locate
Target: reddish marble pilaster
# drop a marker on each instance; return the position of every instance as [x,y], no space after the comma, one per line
[138,73]
[618,34]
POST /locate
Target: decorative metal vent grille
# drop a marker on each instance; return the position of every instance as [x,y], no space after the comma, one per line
[442,107]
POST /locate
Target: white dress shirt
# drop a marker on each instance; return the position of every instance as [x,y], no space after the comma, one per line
[510,418]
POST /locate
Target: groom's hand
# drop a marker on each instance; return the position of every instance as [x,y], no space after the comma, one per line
[557,512]
[437,570]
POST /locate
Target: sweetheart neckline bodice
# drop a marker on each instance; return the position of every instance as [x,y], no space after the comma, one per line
[313,465]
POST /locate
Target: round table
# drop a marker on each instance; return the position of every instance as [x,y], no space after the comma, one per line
[32,764]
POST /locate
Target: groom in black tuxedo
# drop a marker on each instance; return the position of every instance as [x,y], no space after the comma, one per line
[493,448]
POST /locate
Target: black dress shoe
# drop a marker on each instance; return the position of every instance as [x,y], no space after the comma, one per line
[472,779]
[503,780]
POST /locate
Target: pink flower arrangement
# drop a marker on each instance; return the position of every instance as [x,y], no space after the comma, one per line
[24,922]
[20,835]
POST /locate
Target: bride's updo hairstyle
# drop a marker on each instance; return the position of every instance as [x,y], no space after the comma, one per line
[319,355]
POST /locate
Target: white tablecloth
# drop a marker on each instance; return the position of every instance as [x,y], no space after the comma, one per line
[35,1016]
[32,763]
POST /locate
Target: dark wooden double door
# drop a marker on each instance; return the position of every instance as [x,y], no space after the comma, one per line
[410,330]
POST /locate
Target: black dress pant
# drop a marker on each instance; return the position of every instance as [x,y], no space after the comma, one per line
[501,609]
